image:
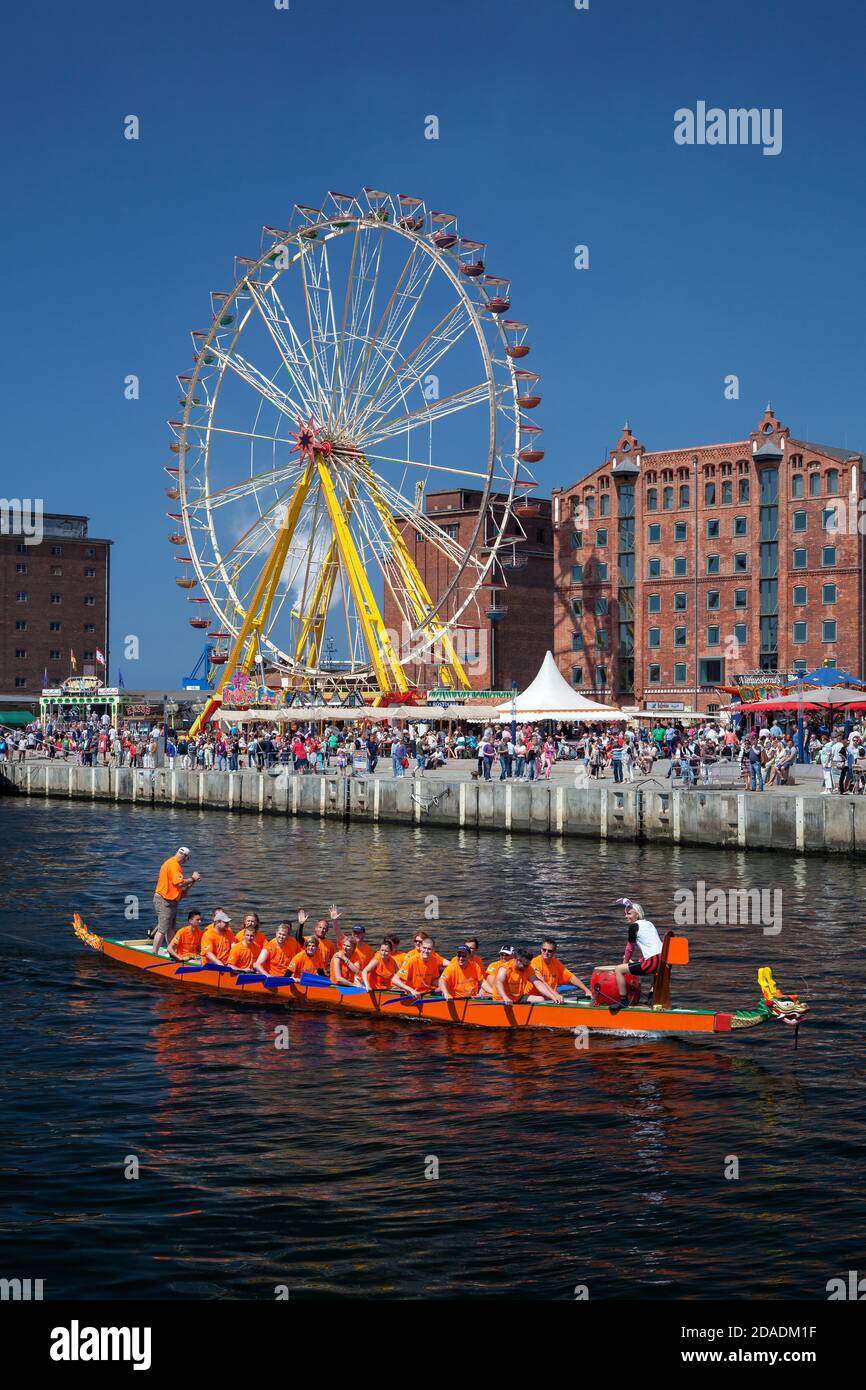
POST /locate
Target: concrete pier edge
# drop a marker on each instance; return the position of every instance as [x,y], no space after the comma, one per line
[725,819]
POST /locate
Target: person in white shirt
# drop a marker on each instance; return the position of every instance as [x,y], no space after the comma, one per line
[642,953]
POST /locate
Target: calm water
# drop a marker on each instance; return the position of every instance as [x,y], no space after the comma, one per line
[306,1167]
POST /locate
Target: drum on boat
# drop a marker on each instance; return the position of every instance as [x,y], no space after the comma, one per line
[605,991]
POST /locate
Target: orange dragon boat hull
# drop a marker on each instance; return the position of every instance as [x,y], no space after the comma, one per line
[471,1013]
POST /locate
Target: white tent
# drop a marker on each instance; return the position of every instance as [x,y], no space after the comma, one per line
[551,697]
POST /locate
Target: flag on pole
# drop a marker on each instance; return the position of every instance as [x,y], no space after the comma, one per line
[99,657]
[72,662]
[120,684]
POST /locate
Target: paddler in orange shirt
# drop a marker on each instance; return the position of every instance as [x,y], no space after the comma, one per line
[244,954]
[187,942]
[171,886]
[380,971]
[322,928]
[417,942]
[251,919]
[518,983]
[551,970]
[311,961]
[349,960]
[217,940]
[418,973]
[462,976]
[506,954]
[277,956]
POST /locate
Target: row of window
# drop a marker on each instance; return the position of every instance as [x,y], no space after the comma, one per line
[23,597]
[710,672]
[21,625]
[829,594]
[799,523]
[599,571]
[56,572]
[713,493]
[799,598]
[799,633]
[53,655]
[56,550]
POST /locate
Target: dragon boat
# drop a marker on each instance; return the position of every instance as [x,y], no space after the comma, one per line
[314,991]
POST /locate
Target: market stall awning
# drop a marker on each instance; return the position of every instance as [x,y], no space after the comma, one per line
[550,696]
[804,698]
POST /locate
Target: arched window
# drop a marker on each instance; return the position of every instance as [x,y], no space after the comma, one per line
[797,485]
[684,494]
[668,499]
[589,503]
[832,482]
[652,499]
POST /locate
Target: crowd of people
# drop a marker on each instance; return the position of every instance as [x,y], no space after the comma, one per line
[625,752]
[515,975]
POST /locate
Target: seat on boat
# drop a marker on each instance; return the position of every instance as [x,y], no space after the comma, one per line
[675,951]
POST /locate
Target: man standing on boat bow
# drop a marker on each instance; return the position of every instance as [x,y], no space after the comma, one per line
[642,953]
[171,886]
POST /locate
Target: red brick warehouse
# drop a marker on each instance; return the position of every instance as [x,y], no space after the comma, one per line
[53,601]
[676,570]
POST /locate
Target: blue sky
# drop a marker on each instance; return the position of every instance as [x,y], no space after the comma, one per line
[556,128]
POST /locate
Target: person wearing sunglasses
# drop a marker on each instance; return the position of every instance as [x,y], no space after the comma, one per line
[551,970]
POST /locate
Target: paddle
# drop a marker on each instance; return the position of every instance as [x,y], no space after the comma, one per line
[420,1002]
[196,969]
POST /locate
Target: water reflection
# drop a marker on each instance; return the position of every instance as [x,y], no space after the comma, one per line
[613,1156]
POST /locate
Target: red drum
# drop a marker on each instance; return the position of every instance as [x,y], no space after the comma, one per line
[604,990]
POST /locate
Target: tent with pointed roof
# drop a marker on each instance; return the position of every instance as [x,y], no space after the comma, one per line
[550,696]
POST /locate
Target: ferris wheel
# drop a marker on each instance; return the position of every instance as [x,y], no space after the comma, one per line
[359,382]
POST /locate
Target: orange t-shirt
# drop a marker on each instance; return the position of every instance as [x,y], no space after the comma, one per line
[187,942]
[220,943]
[552,972]
[311,965]
[382,971]
[259,940]
[517,981]
[415,954]
[279,961]
[243,956]
[359,956]
[419,974]
[170,879]
[326,947]
[463,980]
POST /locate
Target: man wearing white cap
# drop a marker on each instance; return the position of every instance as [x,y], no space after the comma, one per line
[171,886]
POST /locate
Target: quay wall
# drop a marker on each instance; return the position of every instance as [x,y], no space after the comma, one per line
[724,819]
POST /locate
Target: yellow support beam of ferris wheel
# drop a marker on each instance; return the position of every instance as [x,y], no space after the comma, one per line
[417,589]
[389,673]
[260,604]
[313,625]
